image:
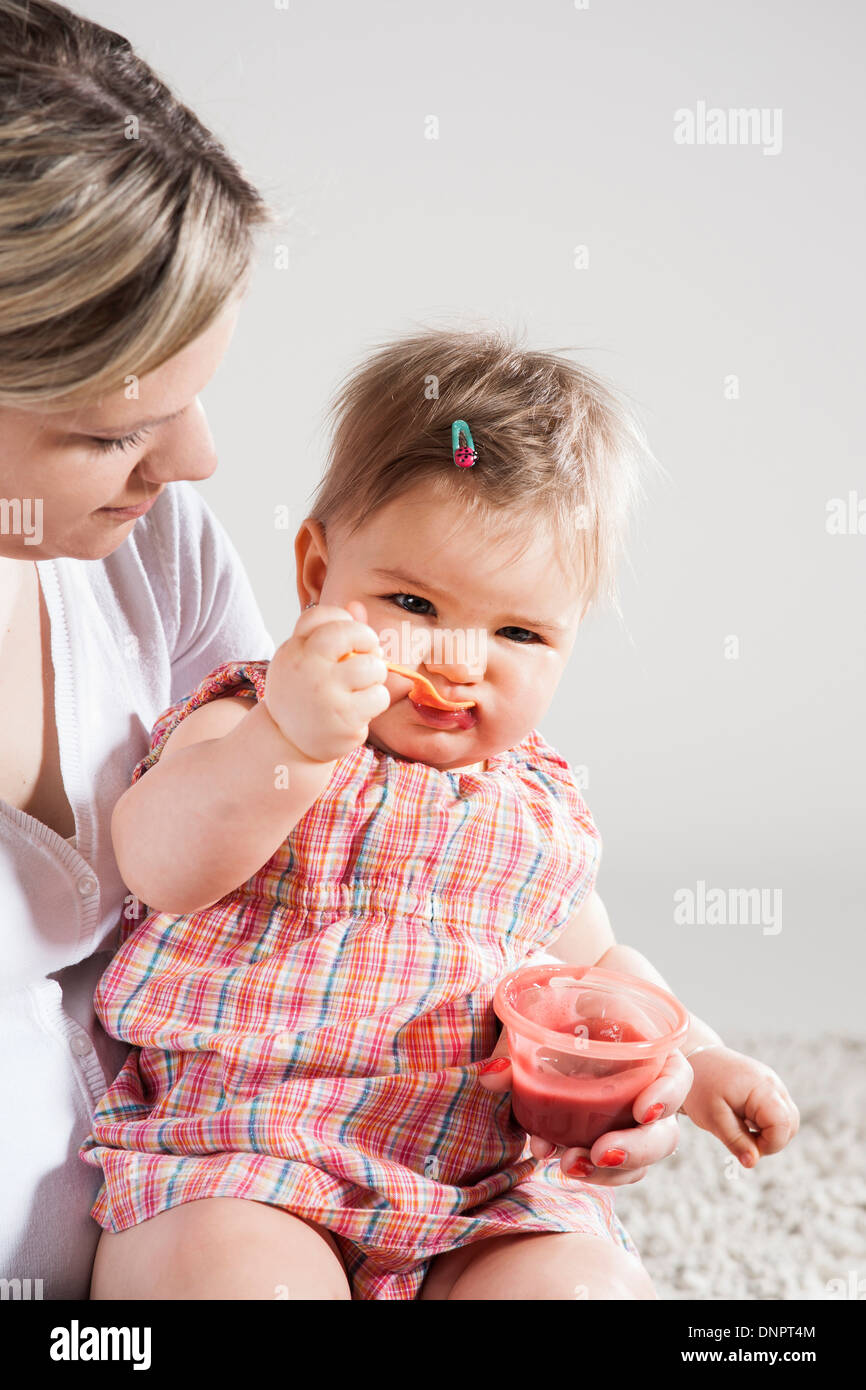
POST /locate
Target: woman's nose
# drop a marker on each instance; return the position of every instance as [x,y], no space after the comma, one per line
[184,448]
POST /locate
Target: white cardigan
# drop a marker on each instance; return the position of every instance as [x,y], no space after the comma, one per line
[130,635]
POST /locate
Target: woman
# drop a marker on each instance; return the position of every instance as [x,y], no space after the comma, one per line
[126,241]
[122,262]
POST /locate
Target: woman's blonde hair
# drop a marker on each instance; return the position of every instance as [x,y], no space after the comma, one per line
[125,227]
[555,444]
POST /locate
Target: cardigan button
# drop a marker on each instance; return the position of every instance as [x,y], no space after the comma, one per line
[80,1045]
[87,886]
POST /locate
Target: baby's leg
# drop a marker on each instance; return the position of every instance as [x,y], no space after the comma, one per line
[219,1247]
[537,1265]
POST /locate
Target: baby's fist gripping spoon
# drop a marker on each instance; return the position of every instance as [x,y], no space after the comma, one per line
[423,691]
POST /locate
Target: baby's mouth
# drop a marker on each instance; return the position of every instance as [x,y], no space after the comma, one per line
[443,718]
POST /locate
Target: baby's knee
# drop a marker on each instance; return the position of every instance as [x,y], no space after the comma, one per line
[616,1274]
[219,1248]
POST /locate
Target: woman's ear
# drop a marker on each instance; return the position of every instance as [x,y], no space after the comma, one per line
[311,560]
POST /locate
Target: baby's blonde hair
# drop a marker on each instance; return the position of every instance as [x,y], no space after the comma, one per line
[125,226]
[555,443]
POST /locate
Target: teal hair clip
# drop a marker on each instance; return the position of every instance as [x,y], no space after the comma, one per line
[464,454]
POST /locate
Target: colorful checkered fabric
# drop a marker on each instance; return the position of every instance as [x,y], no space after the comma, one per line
[312,1040]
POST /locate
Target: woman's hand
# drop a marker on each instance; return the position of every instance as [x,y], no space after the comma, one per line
[743,1103]
[624,1155]
[320,697]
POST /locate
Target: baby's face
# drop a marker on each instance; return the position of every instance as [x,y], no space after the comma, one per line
[496,628]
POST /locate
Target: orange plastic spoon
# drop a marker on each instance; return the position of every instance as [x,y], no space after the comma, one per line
[421,687]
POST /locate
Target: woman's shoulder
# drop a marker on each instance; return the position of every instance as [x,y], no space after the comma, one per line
[180,554]
[166,540]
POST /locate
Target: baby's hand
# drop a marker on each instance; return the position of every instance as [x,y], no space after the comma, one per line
[742,1102]
[321,703]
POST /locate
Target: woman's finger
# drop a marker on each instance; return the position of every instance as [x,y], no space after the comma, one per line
[541,1148]
[626,1150]
[577,1165]
[664,1096]
[495,1072]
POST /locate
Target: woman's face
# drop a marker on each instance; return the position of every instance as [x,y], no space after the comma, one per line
[62,474]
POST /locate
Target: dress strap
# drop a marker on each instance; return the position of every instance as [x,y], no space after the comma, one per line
[232,678]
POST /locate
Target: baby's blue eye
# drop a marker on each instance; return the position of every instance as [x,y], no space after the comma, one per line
[424,607]
[521,635]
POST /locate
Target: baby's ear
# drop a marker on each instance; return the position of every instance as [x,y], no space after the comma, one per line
[311,559]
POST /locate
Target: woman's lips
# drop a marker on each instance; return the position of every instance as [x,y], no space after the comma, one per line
[128,513]
[444,719]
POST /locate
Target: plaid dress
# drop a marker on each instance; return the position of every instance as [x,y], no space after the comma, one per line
[312,1040]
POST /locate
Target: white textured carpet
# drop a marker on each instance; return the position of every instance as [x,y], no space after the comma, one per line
[707,1228]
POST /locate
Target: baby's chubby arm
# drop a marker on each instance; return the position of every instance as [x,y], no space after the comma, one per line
[588,939]
[218,803]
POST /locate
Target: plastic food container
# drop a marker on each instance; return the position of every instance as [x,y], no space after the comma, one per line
[584,1043]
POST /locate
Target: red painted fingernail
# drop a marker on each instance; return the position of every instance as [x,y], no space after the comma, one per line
[653,1112]
[581,1168]
[612,1158]
[497,1064]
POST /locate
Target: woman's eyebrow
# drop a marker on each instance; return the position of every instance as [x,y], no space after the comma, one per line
[131,429]
[401,578]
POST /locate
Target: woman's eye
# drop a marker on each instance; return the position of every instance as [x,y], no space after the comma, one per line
[519,634]
[123,441]
[411,603]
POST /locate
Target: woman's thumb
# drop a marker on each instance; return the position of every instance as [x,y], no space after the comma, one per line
[497,1076]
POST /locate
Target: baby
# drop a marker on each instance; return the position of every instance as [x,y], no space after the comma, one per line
[338,872]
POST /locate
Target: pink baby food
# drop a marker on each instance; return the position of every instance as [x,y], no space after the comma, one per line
[571,1100]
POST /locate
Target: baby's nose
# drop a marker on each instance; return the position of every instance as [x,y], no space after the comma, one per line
[457,655]
[457,672]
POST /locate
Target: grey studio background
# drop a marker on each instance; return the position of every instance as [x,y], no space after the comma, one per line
[720,285]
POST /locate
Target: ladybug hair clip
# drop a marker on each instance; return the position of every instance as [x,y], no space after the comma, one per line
[464,454]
